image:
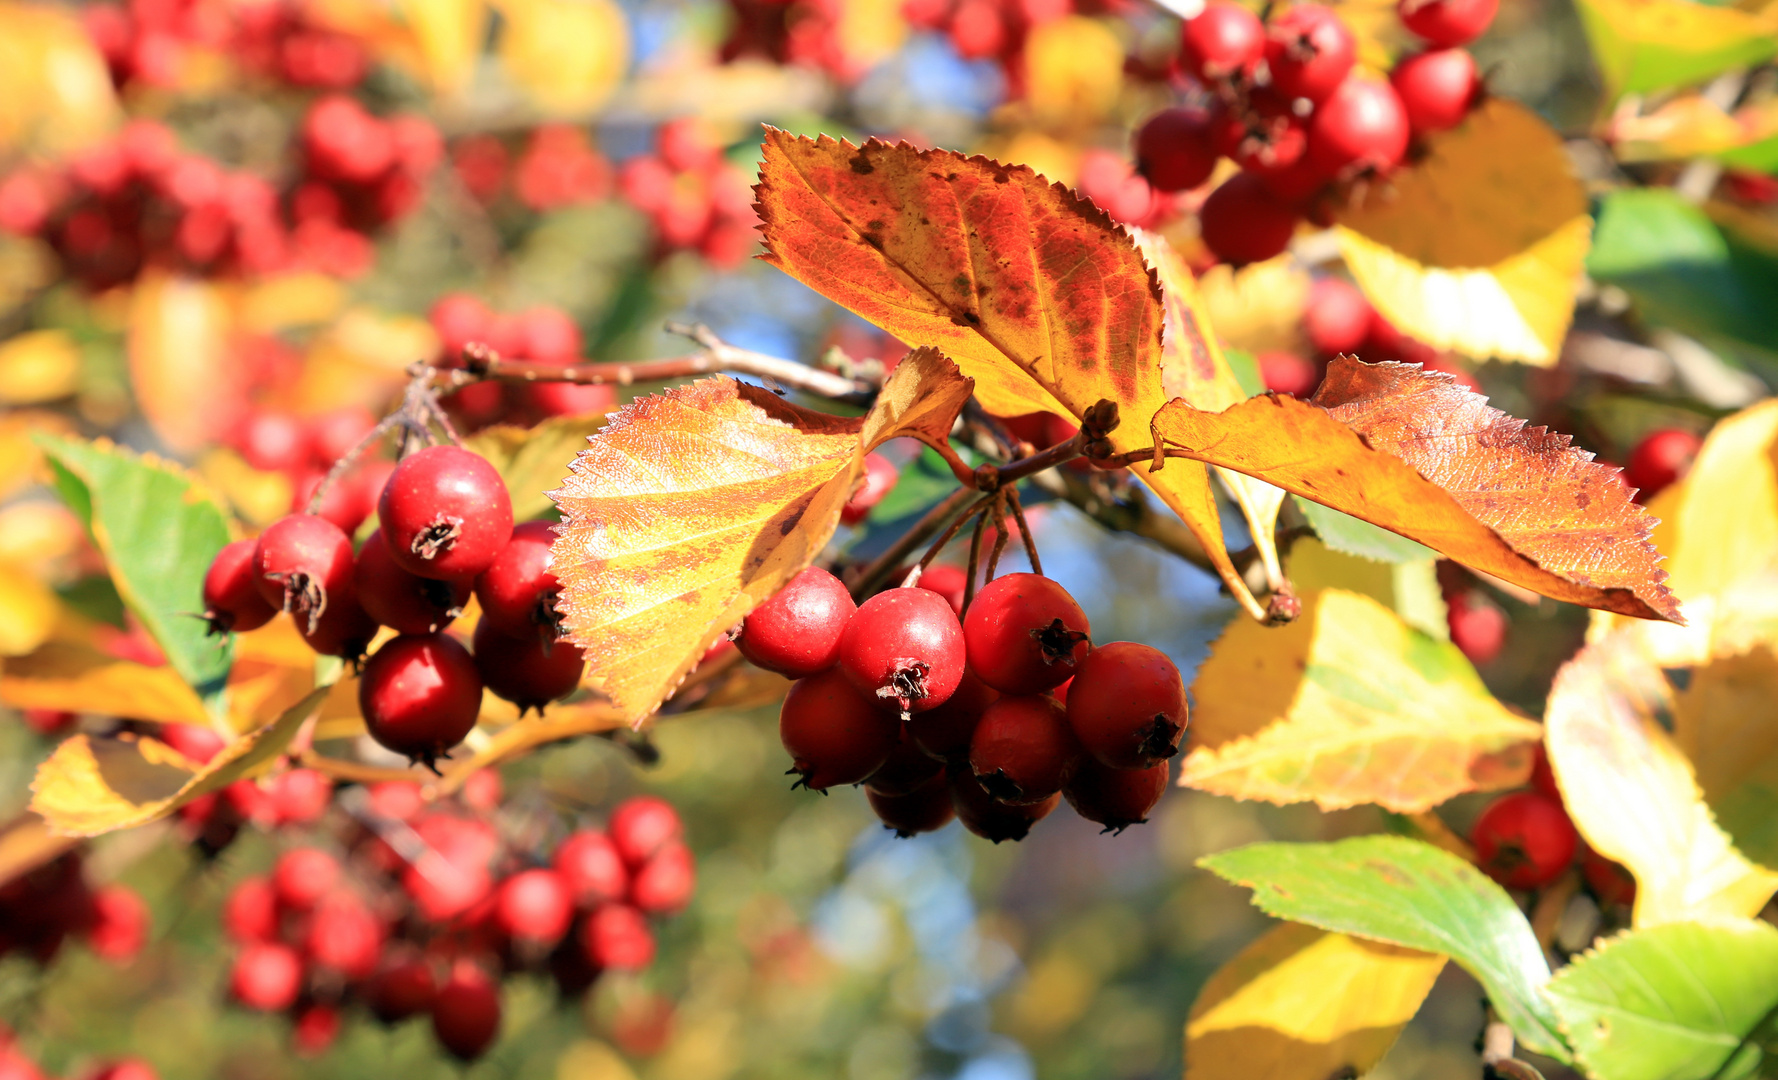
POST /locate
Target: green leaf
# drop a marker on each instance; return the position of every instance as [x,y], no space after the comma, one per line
[1343,532]
[1670,1002]
[158,532]
[1246,370]
[1390,888]
[1647,45]
[534,461]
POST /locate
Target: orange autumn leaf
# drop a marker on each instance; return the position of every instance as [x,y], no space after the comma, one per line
[694,505]
[1420,455]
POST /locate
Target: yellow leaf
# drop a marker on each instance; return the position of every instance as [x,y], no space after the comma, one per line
[28,611]
[38,366]
[93,785]
[1478,247]
[1348,705]
[569,55]
[21,462]
[1643,45]
[27,843]
[79,678]
[694,505]
[291,300]
[1258,307]
[1726,525]
[1632,793]
[257,498]
[1688,126]
[1074,70]
[55,91]
[449,34]
[1305,1004]
[533,460]
[1722,720]
[186,380]
[1410,589]
[362,358]
[870,31]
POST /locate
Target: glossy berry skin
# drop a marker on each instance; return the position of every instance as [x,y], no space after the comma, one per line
[1127,706]
[1661,457]
[344,936]
[880,475]
[1361,127]
[590,865]
[517,592]
[303,876]
[232,601]
[1437,88]
[1173,150]
[643,825]
[1115,798]
[405,603]
[420,695]
[343,630]
[1023,750]
[1446,24]
[797,631]
[1243,222]
[266,976]
[1524,840]
[989,818]
[616,938]
[926,808]
[403,986]
[833,733]
[944,733]
[1478,628]
[534,907]
[1310,51]
[1222,40]
[1337,317]
[904,649]
[445,513]
[466,1012]
[664,884]
[529,673]
[1024,634]
[906,768]
[947,581]
[302,564]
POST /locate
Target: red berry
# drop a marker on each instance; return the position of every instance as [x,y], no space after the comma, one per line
[1266,146]
[334,433]
[273,441]
[232,601]
[314,1029]
[120,923]
[534,906]
[944,732]
[1478,628]
[251,911]
[49,723]
[517,591]
[405,603]
[1310,51]
[1173,150]
[1447,23]
[643,825]
[1524,840]
[947,581]
[266,976]
[1023,750]
[1288,373]
[397,800]
[420,694]
[466,1012]
[482,790]
[1608,881]
[459,319]
[664,884]
[127,1069]
[989,818]
[1436,88]
[904,648]
[451,877]
[445,513]
[343,504]
[529,673]
[344,142]
[1337,318]
[1543,776]
[833,733]
[926,808]
[1025,634]
[1115,798]
[1662,457]
[193,741]
[344,936]
[302,876]
[880,475]
[403,986]
[592,868]
[1360,127]
[1127,706]
[1243,222]
[797,631]
[300,796]
[616,938]
[1222,40]
[343,630]
[303,564]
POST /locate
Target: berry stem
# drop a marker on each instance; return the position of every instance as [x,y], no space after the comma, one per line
[873,573]
[975,557]
[350,458]
[1000,536]
[1018,513]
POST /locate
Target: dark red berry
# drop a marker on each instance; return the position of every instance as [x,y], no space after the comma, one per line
[267,976]
[616,938]
[451,876]
[303,876]
[1127,706]
[797,631]
[904,649]
[643,825]
[1361,127]
[926,808]
[1115,798]
[944,732]
[403,986]
[517,592]
[419,695]
[1310,51]
[907,768]
[302,564]
[664,884]
[1661,457]
[194,741]
[273,441]
[1267,146]
[833,733]
[1437,88]
[1222,40]
[1524,840]
[445,513]
[592,868]
[343,630]
[989,818]
[1543,776]
[534,907]
[344,936]
[1447,23]
[314,1028]
[1023,750]
[529,673]
[880,475]
[1478,628]
[466,1012]
[947,581]
[405,603]
[232,600]
[1243,222]
[1025,634]
[1337,317]
[1608,881]
[1173,150]
[299,796]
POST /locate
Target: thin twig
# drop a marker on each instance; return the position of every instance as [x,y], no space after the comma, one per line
[975,555]
[950,532]
[1552,902]
[1018,513]
[872,574]
[1000,538]
[350,458]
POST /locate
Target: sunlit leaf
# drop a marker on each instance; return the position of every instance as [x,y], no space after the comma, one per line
[1722,720]
[1479,246]
[21,459]
[1644,45]
[26,843]
[569,55]
[1257,307]
[55,91]
[448,34]
[1410,589]
[694,505]
[1304,1004]
[1343,532]
[187,381]
[28,611]
[38,366]
[533,460]
[1074,70]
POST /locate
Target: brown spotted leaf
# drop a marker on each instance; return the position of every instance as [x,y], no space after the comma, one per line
[1420,455]
[694,505]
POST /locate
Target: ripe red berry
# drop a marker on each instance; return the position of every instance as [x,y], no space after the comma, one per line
[466,1012]
[1337,317]
[251,911]
[1025,634]
[194,741]
[232,601]
[880,475]
[419,695]
[344,936]
[906,768]
[616,938]
[1115,798]
[797,631]
[345,142]
[1023,750]
[343,630]
[272,441]
[1447,23]
[517,592]
[302,876]
[451,877]
[833,733]
[405,603]
[1127,706]
[445,513]
[1437,88]
[1288,373]
[643,825]
[1360,127]
[127,1069]
[926,808]
[947,581]
[1243,222]
[1222,40]
[664,884]
[299,796]
[303,564]
[1607,880]
[1524,840]
[534,906]
[592,868]
[944,732]
[314,1028]
[1173,150]
[904,649]
[529,673]
[1267,146]
[119,924]
[989,818]
[403,986]
[1310,51]
[1477,627]
[266,976]
[1662,457]
[1543,775]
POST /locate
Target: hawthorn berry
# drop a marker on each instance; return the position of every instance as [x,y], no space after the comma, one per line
[880,475]
[1361,127]
[445,513]
[267,975]
[302,876]
[517,592]
[232,600]
[466,1012]
[343,630]
[1310,51]
[406,603]
[1524,840]
[1337,317]
[1127,706]
[906,768]
[402,986]
[944,732]
[834,733]
[616,938]
[451,877]
[251,911]
[1173,150]
[1446,24]
[299,796]
[419,695]
[1288,373]
[527,672]
[1662,457]
[1478,628]
[947,581]
[1025,634]
[1437,88]
[344,936]
[986,816]
[194,741]
[904,648]
[1543,775]
[302,564]
[314,1028]
[925,808]
[1221,41]
[643,825]
[664,884]
[1115,798]
[592,868]
[1608,881]
[272,441]
[127,1069]
[1023,750]
[119,924]
[797,631]
[534,906]
[1243,222]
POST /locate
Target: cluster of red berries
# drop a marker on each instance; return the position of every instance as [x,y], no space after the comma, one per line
[362,172]
[15,1064]
[996,29]
[1338,320]
[1525,840]
[1283,103]
[558,167]
[445,530]
[993,718]
[696,199]
[42,909]
[304,448]
[284,798]
[540,335]
[150,41]
[429,907]
[801,32]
